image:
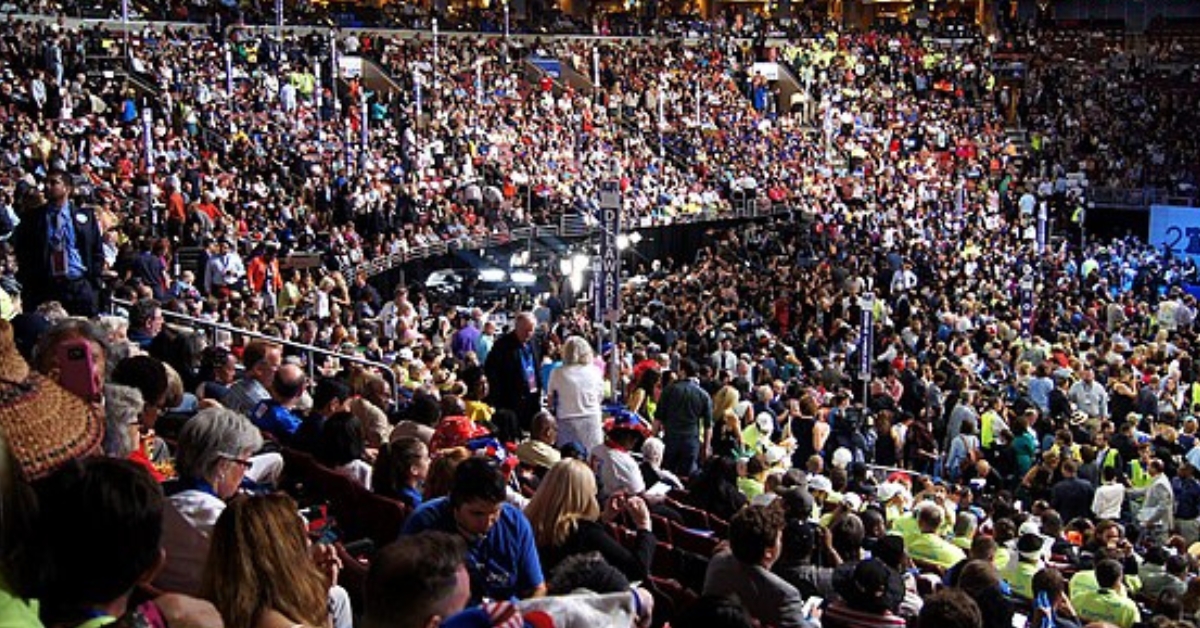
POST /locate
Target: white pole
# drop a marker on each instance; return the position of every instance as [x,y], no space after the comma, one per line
[435,46]
[479,81]
[317,88]
[333,71]
[596,66]
[417,113]
[662,125]
[698,123]
[366,131]
[279,24]
[228,70]
[506,21]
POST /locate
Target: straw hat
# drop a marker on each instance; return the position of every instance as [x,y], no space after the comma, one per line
[45,425]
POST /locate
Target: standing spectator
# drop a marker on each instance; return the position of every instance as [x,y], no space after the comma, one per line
[1157,514]
[575,392]
[1089,396]
[744,570]
[512,367]
[225,271]
[1072,496]
[684,416]
[59,257]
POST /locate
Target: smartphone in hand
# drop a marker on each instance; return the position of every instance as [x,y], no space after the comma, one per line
[76,369]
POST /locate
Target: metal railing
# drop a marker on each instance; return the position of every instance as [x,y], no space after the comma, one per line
[570,226]
[1140,198]
[213,327]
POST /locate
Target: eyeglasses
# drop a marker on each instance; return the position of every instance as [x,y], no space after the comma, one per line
[246,464]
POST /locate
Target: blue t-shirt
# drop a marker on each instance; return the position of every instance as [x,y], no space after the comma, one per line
[503,564]
[271,417]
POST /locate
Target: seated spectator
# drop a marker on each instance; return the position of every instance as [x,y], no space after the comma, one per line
[538,454]
[218,371]
[928,547]
[744,571]
[502,553]
[343,446]
[982,582]
[715,489]
[260,361]
[653,472]
[950,608]
[401,469]
[257,544]
[869,596]
[214,454]
[566,521]
[329,398]
[98,537]
[1050,601]
[275,415]
[1108,602]
[616,468]
[417,581]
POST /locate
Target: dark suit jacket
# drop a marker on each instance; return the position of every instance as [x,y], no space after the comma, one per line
[32,247]
[506,378]
[767,597]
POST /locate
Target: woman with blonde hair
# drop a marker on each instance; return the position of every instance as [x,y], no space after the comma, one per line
[260,571]
[567,520]
[727,432]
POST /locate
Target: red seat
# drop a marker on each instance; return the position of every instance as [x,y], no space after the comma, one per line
[692,541]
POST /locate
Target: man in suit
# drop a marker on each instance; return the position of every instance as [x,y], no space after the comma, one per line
[58,251]
[744,571]
[512,370]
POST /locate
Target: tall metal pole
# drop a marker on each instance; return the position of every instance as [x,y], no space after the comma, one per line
[229,70]
[596,66]
[506,25]
[662,125]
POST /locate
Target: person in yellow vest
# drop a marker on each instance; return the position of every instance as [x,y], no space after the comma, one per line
[1139,468]
[928,547]
[1019,574]
[992,425]
[965,526]
[1107,603]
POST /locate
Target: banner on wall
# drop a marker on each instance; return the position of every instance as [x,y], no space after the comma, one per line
[1176,228]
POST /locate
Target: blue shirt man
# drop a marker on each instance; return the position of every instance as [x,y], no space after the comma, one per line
[61,234]
[270,416]
[502,558]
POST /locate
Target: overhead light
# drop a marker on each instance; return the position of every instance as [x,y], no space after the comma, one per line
[622,242]
[492,275]
[523,277]
[580,262]
[635,237]
[564,265]
[577,280]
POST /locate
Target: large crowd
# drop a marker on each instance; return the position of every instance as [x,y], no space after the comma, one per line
[932,401]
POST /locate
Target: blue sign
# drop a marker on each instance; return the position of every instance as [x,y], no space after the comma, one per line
[866,340]
[1176,228]
[552,67]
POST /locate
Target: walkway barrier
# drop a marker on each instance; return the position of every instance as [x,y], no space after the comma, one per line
[212,328]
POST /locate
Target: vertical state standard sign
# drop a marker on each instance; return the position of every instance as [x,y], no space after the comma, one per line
[608,279]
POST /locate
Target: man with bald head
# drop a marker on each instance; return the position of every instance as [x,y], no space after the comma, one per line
[274,415]
[512,371]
